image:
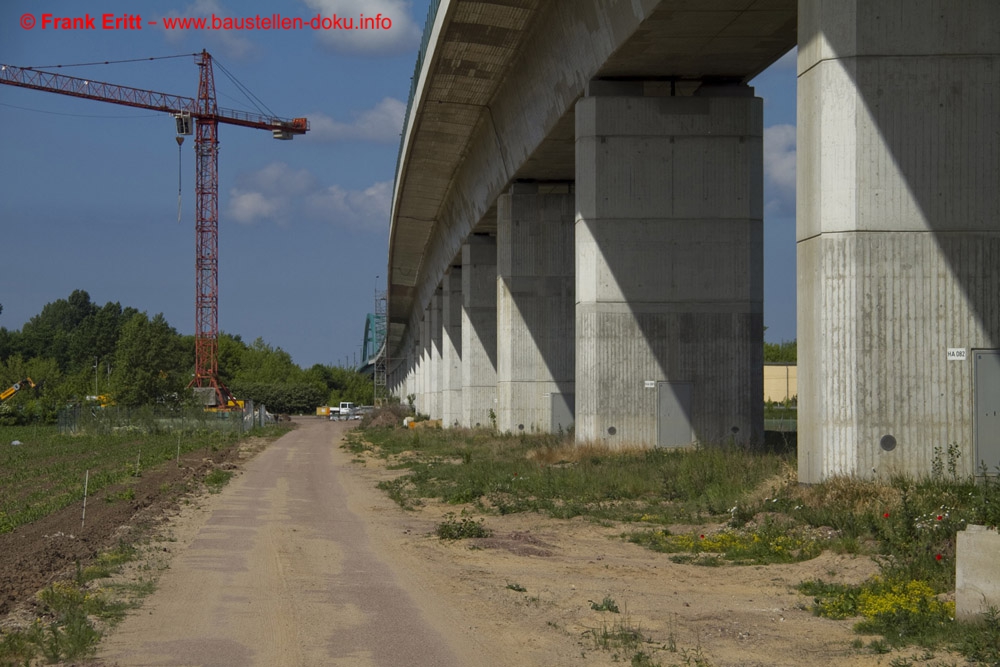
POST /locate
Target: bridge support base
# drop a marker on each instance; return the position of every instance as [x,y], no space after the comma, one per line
[898,229]
[451,348]
[479,330]
[669,267]
[435,367]
[535,306]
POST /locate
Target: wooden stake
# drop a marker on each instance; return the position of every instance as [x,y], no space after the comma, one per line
[86,483]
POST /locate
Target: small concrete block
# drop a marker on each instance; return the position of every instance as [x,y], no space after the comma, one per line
[977,572]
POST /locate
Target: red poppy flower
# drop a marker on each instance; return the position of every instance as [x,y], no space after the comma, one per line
[940,517]
[885,516]
[938,557]
[702,537]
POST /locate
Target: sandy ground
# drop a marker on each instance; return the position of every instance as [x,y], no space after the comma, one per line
[301,561]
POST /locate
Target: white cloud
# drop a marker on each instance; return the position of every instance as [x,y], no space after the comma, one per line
[779,169]
[248,206]
[397,31]
[365,209]
[381,123]
[232,43]
[282,195]
[278,178]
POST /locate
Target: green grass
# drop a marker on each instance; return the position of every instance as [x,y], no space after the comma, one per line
[217,479]
[65,629]
[763,545]
[461,529]
[624,640]
[511,474]
[47,471]
[607,604]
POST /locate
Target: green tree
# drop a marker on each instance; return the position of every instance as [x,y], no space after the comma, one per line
[230,356]
[149,363]
[289,397]
[96,336]
[780,353]
[349,385]
[8,342]
[50,332]
[261,363]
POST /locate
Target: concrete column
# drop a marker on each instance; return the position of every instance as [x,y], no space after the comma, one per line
[898,230]
[479,329]
[424,364]
[407,370]
[435,383]
[415,368]
[451,348]
[417,380]
[669,266]
[535,306]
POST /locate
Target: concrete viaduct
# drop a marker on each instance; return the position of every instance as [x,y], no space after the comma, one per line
[576,234]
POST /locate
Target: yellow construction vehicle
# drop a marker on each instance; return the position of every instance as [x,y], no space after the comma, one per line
[16,387]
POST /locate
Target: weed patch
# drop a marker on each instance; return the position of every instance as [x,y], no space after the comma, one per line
[540,473]
[607,604]
[625,641]
[765,545]
[217,479]
[461,529]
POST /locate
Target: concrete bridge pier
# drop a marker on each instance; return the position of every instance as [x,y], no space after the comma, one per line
[423,362]
[898,230]
[669,265]
[451,347]
[412,362]
[479,329]
[436,367]
[535,305]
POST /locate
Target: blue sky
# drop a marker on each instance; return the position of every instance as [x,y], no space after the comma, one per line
[89,190]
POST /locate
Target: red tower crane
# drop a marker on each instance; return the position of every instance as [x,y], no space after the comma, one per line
[207,115]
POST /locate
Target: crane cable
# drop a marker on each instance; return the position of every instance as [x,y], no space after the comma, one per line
[254,100]
[113,62]
[180,140]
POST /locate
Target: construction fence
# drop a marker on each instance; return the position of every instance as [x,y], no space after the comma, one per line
[160,419]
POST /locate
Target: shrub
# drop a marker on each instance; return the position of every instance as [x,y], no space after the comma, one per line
[454,529]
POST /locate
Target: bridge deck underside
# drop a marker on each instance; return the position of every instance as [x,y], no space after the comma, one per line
[503,77]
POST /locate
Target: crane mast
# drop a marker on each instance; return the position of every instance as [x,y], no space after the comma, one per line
[207,116]
[206,269]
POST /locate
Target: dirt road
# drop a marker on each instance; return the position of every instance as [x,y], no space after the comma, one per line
[302,561]
[283,571]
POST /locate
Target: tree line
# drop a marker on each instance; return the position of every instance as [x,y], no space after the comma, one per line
[74,349]
[785,352]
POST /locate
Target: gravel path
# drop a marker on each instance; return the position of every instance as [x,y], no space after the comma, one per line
[282,571]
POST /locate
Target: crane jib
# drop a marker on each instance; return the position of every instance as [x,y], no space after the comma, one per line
[143,99]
